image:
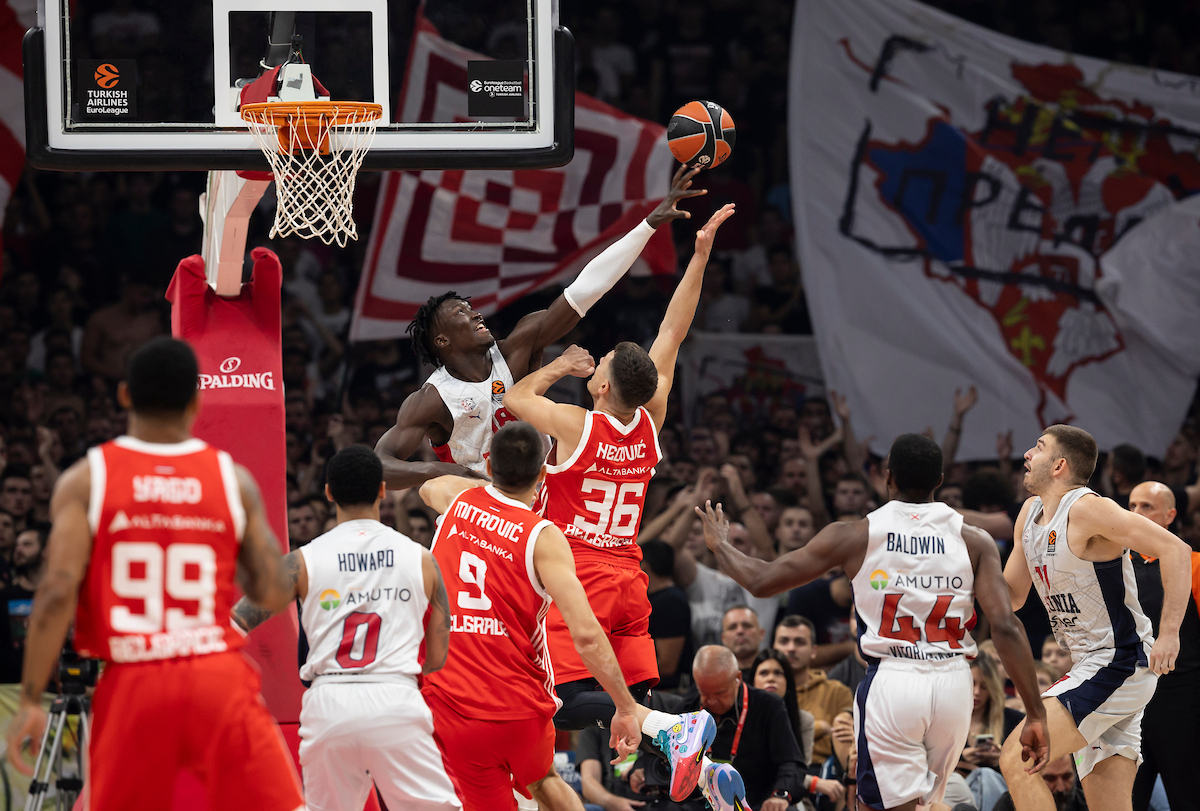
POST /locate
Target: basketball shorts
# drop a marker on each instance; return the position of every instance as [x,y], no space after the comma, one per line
[911,720]
[617,593]
[204,714]
[353,732]
[1106,693]
[487,760]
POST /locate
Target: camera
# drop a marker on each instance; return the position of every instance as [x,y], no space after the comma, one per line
[76,674]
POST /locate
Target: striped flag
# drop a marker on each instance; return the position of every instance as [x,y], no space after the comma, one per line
[496,235]
[16,16]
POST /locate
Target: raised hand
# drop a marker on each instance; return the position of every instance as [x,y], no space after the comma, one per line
[576,362]
[681,188]
[964,402]
[716,525]
[840,406]
[1004,446]
[706,235]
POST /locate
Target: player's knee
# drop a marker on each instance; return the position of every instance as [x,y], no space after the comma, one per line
[1011,765]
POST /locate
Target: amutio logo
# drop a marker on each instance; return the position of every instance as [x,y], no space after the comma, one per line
[228,380]
[879,580]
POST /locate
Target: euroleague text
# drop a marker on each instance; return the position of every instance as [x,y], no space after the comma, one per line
[489,522]
[166,489]
[168,645]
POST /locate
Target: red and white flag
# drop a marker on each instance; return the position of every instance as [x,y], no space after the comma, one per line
[496,235]
[15,17]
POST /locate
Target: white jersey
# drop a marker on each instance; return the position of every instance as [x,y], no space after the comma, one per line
[364,614]
[1092,606]
[915,593]
[477,411]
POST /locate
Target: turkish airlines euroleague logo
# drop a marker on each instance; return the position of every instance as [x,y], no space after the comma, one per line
[107,76]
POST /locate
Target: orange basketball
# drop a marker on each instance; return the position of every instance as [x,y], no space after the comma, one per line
[701,134]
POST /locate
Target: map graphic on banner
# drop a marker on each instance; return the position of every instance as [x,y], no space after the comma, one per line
[496,235]
[975,184]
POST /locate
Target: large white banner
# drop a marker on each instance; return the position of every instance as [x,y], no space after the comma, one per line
[972,209]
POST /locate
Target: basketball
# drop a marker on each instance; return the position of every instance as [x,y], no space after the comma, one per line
[701,134]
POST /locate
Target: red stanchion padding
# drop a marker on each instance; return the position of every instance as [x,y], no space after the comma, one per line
[238,344]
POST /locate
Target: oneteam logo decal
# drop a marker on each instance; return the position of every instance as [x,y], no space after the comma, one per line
[330,599]
[879,579]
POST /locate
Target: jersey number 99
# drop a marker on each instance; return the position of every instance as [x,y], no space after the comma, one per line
[185,572]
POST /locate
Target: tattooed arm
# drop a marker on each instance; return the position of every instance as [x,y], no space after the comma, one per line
[248,615]
[437,630]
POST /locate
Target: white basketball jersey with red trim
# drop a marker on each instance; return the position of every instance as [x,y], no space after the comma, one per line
[596,496]
[364,613]
[477,410]
[915,593]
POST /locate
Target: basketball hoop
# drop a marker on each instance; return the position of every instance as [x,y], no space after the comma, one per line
[315,149]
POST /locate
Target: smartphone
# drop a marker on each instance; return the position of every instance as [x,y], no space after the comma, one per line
[985,740]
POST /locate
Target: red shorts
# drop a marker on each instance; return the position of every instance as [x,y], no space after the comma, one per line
[204,714]
[617,593]
[486,760]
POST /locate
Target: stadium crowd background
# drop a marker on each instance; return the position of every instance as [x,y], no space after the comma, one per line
[87,258]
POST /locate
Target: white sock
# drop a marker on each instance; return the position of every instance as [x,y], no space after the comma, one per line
[657,722]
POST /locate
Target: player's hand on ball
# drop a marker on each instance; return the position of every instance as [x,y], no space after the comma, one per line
[26,730]
[706,235]
[577,361]
[1164,652]
[681,188]
[1035,745]
[625,735]
[716,525]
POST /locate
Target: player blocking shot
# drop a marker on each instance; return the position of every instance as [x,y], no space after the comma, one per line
[493,701]
[149,534]
[365,590]
[1072,546]
[460,406]
[916,571]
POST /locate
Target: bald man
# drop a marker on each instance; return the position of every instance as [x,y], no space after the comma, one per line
[1172,717]
[754,734]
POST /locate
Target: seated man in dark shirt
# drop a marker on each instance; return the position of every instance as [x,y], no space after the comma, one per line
[670,614]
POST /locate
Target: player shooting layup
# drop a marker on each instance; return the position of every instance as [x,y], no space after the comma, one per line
[916,570]
[1073,546]
[595,495]
[493,701]
[459,407]
[148,531]
[364,590]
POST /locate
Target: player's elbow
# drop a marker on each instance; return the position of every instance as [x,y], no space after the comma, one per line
[588,640]
[435,660]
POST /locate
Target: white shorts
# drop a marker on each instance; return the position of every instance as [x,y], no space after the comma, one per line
[911,720]
[1106,693]
[354,733]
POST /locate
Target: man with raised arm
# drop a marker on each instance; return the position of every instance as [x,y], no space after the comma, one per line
[493,701]
[149,533]
[371,600]
[916,570]
[1073,546]
[460,405]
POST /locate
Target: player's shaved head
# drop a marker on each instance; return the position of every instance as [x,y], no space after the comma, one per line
[1155,501]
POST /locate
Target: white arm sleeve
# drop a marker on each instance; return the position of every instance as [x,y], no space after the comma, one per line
[600,274]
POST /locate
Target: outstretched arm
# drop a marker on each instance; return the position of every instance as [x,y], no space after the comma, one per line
[536,331]
[833,546]
[527,399]
[437,629]
[420,414]
[249,615]
[67,552]
[962,404]
[680,312]
[1011,643]
[440,493]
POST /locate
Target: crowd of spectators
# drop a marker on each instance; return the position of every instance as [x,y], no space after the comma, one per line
[87,259]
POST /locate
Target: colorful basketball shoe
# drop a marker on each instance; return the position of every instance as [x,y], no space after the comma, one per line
[684,745]
[722,786]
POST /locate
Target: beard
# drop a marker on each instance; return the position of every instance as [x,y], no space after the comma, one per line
[1062,799]
[1037,480]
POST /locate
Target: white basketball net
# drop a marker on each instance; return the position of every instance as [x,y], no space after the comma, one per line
[315,191]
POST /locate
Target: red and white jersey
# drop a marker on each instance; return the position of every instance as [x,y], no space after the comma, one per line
[915,592]
[167,523]
[596,496]
[498,666]
[364,614]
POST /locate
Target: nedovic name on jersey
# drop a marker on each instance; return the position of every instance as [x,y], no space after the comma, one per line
[364,613]
[1092,606]
[915,593]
